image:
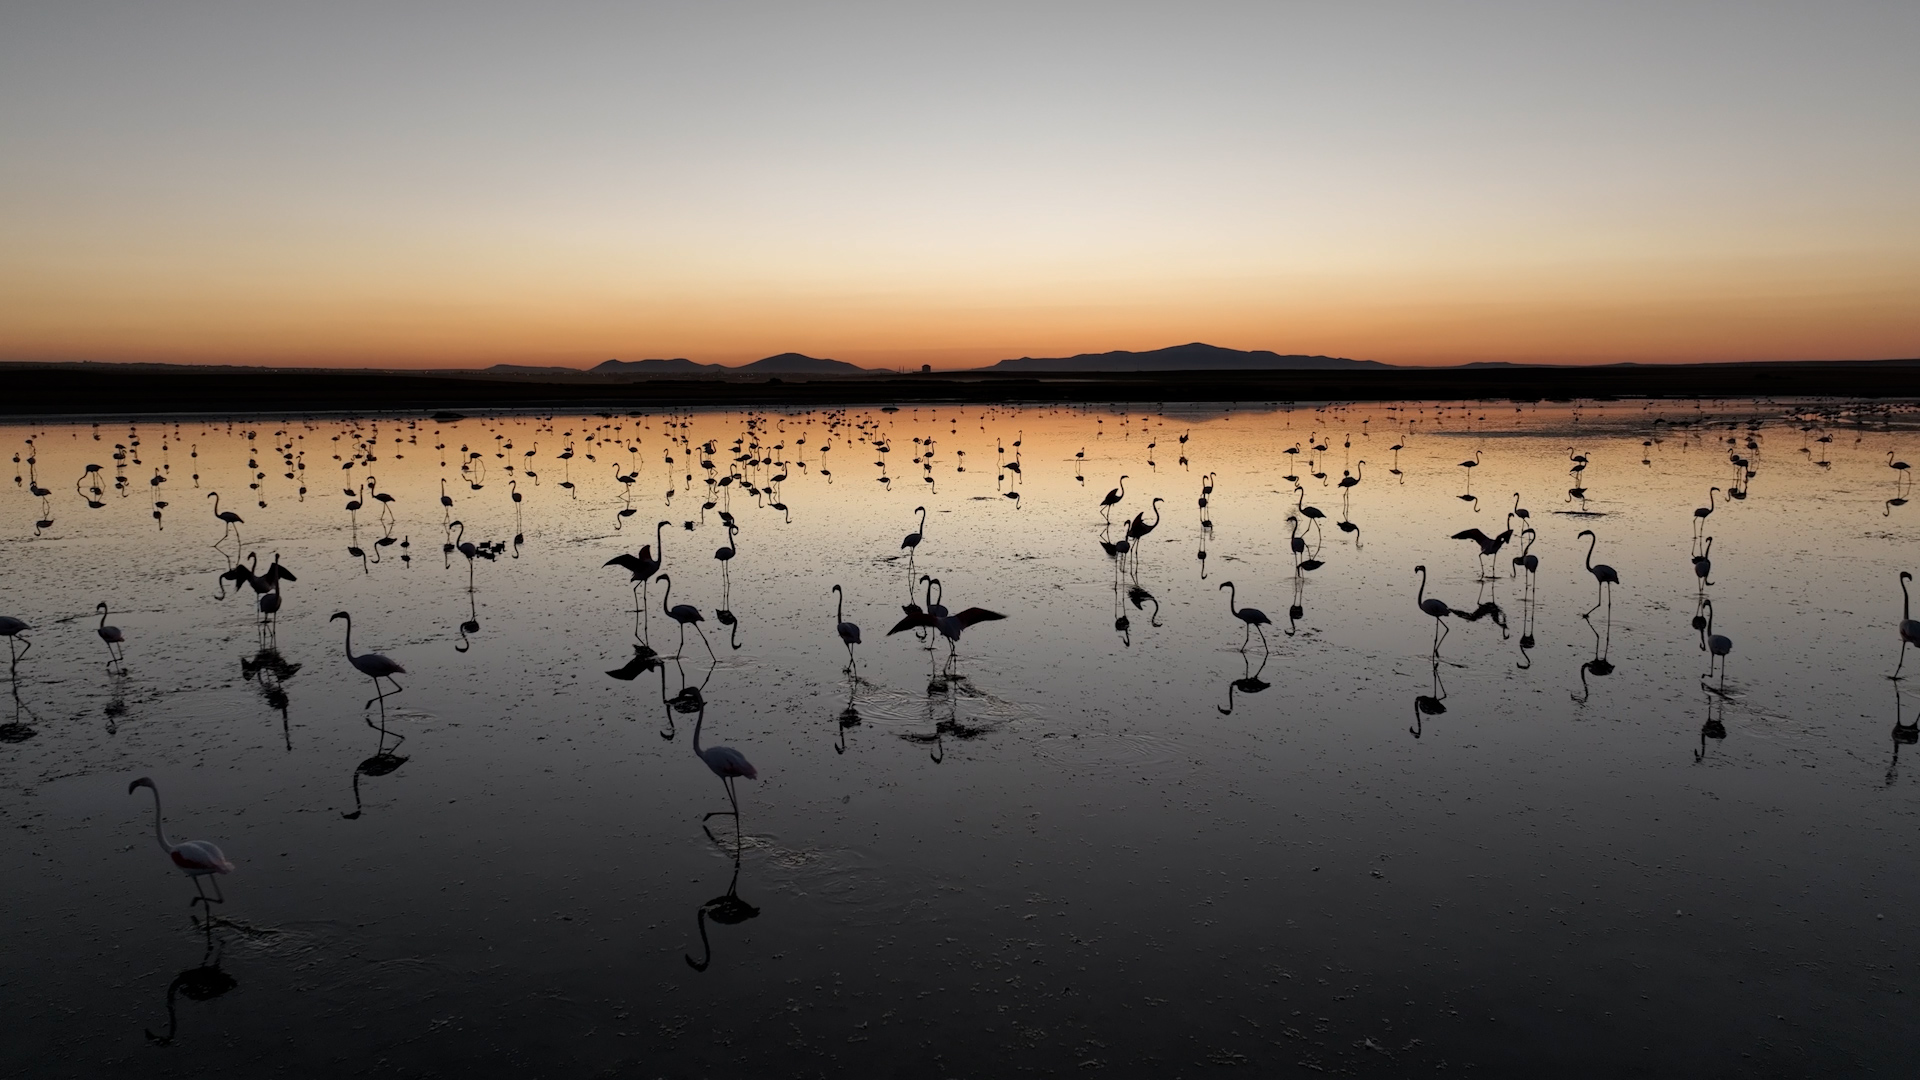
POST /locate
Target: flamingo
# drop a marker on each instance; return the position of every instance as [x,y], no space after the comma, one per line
[911,542]
[1898,466]
[1603,575]
[1526,560]
[227,516]
[1489,545]
[12,629]
[849,632]
[726,552]
[269,602]
[684,614]
[446,500]
[1703,565]
[1700,514]
[726,763]
[1312,513]
[373,665]
[1253,617]
[1435,607]
[1113,497]
[1718,646]
[1909,626]
[644,565]
[111,635]
[951,625]
[196,858]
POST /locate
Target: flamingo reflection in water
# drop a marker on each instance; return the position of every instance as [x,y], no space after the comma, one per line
[384,760]
[203,982]
[1249,682]
[727,909]
[1431,704]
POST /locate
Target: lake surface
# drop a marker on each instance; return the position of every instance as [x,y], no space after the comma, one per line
[1078,844]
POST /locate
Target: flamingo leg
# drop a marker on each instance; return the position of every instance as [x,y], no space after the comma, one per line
[704,641]
[1896,667]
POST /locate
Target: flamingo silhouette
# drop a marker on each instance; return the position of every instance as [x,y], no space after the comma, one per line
[373,665]
[1909,626]
[1254,619]
[112,636]
[684,614]
[849,632]
[1603,575]
[1437,608]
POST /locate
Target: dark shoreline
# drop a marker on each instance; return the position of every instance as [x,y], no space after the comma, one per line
[98,389]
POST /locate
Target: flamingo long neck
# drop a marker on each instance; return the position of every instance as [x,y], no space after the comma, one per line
[1420,598]
[216,499]
[659,542]
[1709,618]
[348,646]
[1906,602]
[159,833]
[1156,513]
[1123,487]
[839,606]
[1300,498]
[701,719]
[664,597]
[1592,540]
[1232,609]
[1710,494]
[923,519]
[103,616]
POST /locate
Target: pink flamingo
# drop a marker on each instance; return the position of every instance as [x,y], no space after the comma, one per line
[195,858]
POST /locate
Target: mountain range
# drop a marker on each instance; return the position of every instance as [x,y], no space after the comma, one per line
[787,363]
[1195,356]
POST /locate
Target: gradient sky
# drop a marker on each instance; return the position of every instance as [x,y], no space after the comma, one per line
[449,184]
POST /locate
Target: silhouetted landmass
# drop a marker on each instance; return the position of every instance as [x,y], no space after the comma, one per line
[793,363]
[111,389]
[1194,356]
[788,363]
[677,366]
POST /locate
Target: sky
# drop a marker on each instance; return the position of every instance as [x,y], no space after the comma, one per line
[433,184]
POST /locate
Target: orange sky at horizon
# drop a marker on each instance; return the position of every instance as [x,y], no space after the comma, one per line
[485,185]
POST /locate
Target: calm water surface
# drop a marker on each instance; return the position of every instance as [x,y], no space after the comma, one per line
[1101,836]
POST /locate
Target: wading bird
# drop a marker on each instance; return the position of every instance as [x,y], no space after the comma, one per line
[372,665]
[684,614]
[1603,575]
[111,635]
[849,633]
[1435,607]
[1717,646]
[196,858]
[727,764]
[1909,626]
[1253,617]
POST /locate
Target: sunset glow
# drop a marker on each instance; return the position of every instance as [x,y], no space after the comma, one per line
[467,186]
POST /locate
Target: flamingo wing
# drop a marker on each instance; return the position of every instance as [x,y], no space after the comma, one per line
[976,615]
[727,761]
[913,619]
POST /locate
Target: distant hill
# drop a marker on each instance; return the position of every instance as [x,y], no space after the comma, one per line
[678,366]
[1196,356]
[793,363]
[789,363]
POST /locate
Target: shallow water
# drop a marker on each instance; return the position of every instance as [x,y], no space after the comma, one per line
[1550,844]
